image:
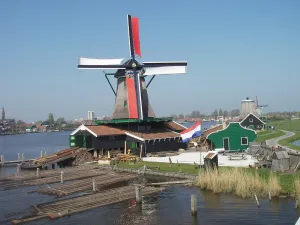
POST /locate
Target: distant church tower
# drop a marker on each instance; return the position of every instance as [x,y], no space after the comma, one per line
[3,114]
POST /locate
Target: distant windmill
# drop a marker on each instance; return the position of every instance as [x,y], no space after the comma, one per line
[260,108]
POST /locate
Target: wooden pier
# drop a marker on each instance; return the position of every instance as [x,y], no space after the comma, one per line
[20,160]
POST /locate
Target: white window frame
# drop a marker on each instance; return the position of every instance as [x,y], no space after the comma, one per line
[250,120]
[242,141]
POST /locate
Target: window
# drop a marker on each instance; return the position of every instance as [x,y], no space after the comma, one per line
[251,120]
[125,104]
[244,140]
[135,145]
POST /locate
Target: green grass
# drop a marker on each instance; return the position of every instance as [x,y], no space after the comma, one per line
[269,135]
[289,125]
[164,167]
[287,181]
[264,132]
[288,141]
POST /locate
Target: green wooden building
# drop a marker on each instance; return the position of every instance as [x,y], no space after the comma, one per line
[233,138]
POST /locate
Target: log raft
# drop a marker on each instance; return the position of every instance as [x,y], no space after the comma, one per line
[101,182]
[79,204]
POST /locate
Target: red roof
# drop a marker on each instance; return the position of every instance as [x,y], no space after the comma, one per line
[169,130]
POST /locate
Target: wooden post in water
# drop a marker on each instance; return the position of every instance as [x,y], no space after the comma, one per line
[19,156]
[138,196]
[270,197]
[61,176]
[45,153]
[94,185]
[193,205]
[257,202]
[2,159]
[37,172]
[41,154]
[23,157]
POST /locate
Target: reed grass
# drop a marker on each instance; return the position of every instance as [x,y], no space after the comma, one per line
[240,182]
[297,188]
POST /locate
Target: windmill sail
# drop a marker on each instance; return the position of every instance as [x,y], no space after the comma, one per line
[134,36]
[89,63]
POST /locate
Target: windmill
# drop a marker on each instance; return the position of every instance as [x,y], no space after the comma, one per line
[260,109]
[131,100]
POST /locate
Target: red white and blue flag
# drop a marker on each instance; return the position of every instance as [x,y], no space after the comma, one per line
[192,132]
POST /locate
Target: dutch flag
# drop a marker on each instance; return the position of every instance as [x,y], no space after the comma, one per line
[192,132]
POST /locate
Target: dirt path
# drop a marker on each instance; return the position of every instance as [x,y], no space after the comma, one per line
[274,141]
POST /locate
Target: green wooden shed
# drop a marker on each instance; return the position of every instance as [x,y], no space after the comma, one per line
[233,138]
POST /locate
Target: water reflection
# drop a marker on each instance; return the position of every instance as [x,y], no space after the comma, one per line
[138,214]
[211,200]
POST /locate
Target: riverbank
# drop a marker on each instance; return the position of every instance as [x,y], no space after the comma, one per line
[231,179]
[288,142]
[268,134]
[292,126]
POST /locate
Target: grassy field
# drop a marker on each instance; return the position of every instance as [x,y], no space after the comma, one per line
[268,134]
[290,125]
[278,183]
[164,167]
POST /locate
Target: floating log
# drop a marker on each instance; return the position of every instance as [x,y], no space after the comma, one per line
[170,183]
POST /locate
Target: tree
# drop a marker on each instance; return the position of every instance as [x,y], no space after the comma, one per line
[20,122]
[51,118]
[61,120]
[215,114]
[220,112]
[180,116]
[225,113]
[174,116]
[237,112]
[195,114]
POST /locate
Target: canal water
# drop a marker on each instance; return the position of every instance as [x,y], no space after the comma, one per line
[170,207]
[297,143]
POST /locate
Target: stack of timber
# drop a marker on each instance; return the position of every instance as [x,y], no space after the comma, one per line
[82,157]
[101,182]
[52,159]
[51,176]
[127,157]
[79,204]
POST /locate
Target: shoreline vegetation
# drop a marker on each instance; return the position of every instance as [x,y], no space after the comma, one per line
[243,182]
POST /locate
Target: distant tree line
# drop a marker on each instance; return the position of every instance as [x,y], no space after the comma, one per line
[214,114]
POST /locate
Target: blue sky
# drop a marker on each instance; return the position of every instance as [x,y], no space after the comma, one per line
[234,49]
